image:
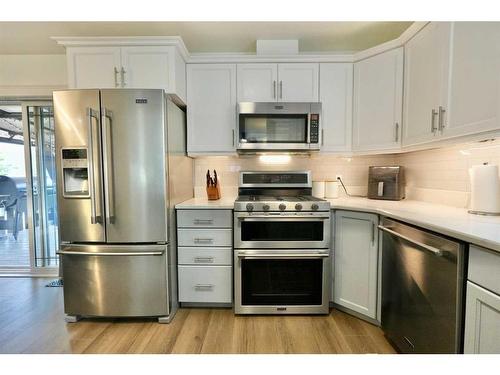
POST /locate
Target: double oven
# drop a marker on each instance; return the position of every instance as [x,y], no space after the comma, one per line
[281,252]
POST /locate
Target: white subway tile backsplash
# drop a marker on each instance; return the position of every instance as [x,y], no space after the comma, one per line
[437,175]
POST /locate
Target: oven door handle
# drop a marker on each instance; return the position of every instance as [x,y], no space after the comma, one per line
[282,218]
[282,255]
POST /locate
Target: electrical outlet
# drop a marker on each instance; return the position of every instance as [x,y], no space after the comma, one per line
[337,176]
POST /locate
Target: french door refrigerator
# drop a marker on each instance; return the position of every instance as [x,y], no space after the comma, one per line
[122,167]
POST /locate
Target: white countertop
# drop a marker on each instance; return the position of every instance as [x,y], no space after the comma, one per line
[204,203]
[451,221]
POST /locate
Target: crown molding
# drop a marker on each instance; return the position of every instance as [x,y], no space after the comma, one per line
[202,58]
[76,41]
[223,57]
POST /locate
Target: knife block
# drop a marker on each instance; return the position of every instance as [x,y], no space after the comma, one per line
[213,193]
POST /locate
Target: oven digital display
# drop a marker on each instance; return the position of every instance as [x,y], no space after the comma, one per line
[275,178]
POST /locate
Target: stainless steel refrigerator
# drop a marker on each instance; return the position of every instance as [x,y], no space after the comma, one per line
[122,167]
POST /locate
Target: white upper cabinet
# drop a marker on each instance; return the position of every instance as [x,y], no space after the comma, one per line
[426,82]
[93,67]
[289,82]
[336,97]
[144,67]
[257,82]
[474,95]
[211,115]
[355,262]
[378,97]
[298,82]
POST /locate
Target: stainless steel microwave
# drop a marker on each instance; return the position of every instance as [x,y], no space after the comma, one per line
[279,126]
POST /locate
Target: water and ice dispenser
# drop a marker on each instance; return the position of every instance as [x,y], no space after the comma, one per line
[75,167]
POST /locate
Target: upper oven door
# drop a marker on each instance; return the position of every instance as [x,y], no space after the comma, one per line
[278,126]
[310,230]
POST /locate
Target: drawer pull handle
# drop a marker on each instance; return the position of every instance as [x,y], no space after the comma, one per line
[203,221]
[204,287]
[203,240]
[203,259]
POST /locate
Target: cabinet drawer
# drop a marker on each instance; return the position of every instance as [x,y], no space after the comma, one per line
[219,256]
[205,284]
[204,237]
[484,268]
[204,219]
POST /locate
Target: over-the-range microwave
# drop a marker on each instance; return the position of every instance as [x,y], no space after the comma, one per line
[279,127]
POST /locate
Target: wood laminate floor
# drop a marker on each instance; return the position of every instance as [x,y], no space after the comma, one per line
[32,321]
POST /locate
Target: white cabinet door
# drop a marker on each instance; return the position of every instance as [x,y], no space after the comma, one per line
[336,97]
[355,259]
[211,116]
[93,67]
[298,82]
[257,82]
[378,101]
[474,95]
[426,69]
[482,321]
[146,67]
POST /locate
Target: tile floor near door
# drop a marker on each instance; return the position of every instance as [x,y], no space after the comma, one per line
[32,321]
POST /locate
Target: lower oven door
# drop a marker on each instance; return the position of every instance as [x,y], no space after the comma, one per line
[282,281]
[308,230]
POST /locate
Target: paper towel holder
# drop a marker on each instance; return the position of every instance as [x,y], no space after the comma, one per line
[483,213]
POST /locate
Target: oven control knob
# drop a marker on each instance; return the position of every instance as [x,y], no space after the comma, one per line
[249,207]
[266,207]
[282,207]
[314,207]
[298,207]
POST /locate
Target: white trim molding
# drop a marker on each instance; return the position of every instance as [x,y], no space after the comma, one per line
[77,41]
[223,57]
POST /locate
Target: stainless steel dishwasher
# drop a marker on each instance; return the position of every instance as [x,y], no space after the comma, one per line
[422,289]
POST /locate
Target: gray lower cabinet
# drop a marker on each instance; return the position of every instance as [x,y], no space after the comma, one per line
[482,309]
[355,259]
[204,256]
[482,321]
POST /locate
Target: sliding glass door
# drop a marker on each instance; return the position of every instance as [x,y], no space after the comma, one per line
[39,119]
[28,228]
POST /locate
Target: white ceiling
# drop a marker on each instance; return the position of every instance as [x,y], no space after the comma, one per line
[34,37]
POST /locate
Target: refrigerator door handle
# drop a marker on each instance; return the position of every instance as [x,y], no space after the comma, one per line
[108,164]
[95,214]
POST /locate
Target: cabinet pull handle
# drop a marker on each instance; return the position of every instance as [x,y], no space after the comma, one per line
[441,118]
[203,221]
[116,76]
[197,240]
[281,89]
[122,71]
[203,259]
[232,137]
[433,120]
[397,132]
[322,137]
[274,89]
[373,233]
[204,287]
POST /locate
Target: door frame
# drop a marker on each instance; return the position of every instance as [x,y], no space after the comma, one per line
[31,270]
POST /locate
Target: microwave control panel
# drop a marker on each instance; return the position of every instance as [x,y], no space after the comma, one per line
[314,121]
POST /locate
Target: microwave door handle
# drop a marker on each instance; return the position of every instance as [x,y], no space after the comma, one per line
[108,164]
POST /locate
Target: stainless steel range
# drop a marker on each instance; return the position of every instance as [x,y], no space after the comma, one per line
[281,245]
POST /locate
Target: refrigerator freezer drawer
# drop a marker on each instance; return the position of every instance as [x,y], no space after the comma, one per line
[115,281]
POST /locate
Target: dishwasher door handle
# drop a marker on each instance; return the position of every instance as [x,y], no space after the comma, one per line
[431,249]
